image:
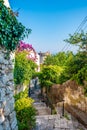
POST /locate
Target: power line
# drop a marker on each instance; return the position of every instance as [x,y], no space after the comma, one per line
[81,25]
[64,47]
[77,31]
[67,48]
[85,27]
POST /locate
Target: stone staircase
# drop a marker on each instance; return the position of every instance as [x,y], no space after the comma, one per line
[41,108]
[52,122]
[46,121]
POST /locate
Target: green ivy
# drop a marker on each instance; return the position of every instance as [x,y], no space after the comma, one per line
[11,31]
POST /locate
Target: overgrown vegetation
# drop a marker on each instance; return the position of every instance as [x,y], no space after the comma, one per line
[11,31]
[49,75]
[23,69]
[25,111]
[73,66]
[23,94]
[80,60]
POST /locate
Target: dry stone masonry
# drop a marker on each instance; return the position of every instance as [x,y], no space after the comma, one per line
[45,121]
[7,114]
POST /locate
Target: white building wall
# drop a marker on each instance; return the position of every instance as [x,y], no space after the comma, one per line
[38,61]
[6,2]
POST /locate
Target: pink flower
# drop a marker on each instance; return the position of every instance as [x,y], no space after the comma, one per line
[28,47]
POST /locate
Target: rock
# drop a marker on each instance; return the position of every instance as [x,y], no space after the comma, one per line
[2,94]
[5,62]
[7,114]
[14,124]
[1,127]
[1,111]
[3,67]
[7,109]
[1,59]
[16,128]
[5,79]
[6,125]
[10,76]
[2,119]
[12,116]
[1,84]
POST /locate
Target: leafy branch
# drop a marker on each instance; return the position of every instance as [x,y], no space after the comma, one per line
[11,31]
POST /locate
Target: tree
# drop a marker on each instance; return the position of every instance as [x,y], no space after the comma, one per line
[79,39]
[24,68]
[59,59]
[50,75]
[77,66]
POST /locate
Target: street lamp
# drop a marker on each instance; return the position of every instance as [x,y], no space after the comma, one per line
[63,108]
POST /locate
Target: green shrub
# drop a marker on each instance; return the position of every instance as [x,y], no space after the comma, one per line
[23,68]
[50,75]
[81,76]
[23,94]
[23,103]
[25,113]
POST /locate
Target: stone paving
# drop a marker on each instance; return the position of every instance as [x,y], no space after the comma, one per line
[53,122]
[46,121]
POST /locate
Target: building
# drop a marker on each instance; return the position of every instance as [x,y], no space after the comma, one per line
[42,56]
[40,59]
[37,62]
[6,3]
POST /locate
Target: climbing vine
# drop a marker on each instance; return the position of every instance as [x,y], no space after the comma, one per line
[11,31]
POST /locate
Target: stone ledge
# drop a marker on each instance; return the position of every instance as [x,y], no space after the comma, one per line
[78,114]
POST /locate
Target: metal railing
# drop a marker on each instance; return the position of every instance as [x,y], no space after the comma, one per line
[49,104]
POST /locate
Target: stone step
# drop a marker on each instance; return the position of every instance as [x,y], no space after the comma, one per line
[43,111]
[39,104]
[48,116]
[52,122]
[41,107]
[45,121]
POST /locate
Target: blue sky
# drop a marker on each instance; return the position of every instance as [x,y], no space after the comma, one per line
[51,21]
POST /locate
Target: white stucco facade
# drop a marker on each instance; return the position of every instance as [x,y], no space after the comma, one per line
[38,62]
[6,2]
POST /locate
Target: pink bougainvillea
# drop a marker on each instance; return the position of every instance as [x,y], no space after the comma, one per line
[27,47]
[24,46]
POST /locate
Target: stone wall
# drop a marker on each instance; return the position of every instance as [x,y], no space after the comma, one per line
[71,93]
[74,95]
[7,114]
